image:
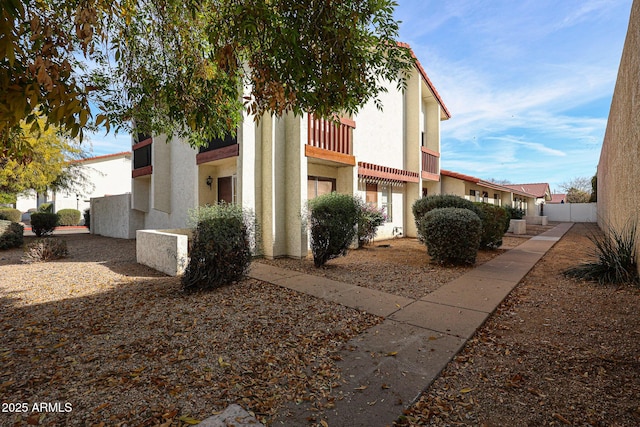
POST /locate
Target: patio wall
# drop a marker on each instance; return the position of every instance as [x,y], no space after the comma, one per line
[112,216]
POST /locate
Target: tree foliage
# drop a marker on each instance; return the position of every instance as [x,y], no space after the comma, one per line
[50,164]
[180,66]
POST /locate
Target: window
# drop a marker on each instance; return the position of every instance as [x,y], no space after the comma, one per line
[372,194]
[317,186]
[472,192]
[485,196]
[386,202]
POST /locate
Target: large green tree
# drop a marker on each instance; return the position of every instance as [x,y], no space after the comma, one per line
[53,164]
[189,67]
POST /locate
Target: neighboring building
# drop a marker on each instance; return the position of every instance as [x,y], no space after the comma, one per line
[541,190]
[390,158]
[106,175]
[478,190]
[619,166]
[558,198]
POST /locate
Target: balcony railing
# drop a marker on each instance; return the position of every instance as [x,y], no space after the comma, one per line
[142,156]
[218,149]
[430,164]
[217,143]
[330,140]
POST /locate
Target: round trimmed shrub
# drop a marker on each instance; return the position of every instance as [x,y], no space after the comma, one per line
[333,221]
[437,201]
[452,235]
[493,219]
[10,214]
[68,217]
[43,223]
[11,235]
[221,248]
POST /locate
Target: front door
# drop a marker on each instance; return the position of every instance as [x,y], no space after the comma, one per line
[225,189]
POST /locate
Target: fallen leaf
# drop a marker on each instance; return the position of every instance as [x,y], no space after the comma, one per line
[362,387]
[465,390]
[189,420]
[324,423]
[561,418]
[392,353]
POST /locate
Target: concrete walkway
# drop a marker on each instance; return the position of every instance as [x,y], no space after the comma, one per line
[388,366]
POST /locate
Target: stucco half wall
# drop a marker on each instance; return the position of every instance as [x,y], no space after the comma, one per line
[619,166]
[112,216]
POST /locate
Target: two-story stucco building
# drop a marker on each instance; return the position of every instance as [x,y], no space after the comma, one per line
[389,158]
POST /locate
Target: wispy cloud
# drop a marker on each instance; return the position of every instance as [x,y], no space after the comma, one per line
[528,83]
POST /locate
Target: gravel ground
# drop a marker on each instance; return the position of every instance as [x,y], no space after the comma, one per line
[101,340]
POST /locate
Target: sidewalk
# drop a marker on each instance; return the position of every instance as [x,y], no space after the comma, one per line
[389,365]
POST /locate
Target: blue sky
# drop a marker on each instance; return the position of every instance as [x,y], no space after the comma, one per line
[528,83]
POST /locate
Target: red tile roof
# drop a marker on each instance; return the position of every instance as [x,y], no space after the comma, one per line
[483,183]
[558,198]
[539,189]
[103,157]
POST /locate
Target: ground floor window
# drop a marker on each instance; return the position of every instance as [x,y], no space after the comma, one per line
[318,185]
[386,201]
[372,194]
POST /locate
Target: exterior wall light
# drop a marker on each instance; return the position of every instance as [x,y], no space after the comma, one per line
[209,181]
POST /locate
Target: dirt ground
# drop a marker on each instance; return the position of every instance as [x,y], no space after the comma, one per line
[558,351]
[121,344]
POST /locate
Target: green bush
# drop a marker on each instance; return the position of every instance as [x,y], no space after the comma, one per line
[616,257]
[47,249]
[514,213]
[43,223]
[87,218]
[493,220]
[452,235]
[221,248]
[46,208]
[68,217]
[369,219]
[426,204]
[333,222]
[12,235]
[10,214]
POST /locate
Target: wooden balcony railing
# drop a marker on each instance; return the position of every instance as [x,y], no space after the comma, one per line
[330,141]
[430,164]
[218,149]
[142,156]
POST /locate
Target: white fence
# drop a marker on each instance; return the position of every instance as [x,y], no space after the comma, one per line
[572,212]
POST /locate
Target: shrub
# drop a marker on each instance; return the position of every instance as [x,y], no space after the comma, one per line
[11,235]
[46,208]
[43,223]
[616,257]
[452,235]
[514,213]
[87,218]
[369,219]
[68,217]
[426,204]
[43,250]
[10,214]
[221,248]
[493,220]
[333,222]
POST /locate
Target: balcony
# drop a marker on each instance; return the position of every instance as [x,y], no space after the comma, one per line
[327,140]
[430,164]
[142,156]
[219,148]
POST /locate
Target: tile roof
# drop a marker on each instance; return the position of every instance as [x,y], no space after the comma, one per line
[557,198]
[483,183]
[539,189]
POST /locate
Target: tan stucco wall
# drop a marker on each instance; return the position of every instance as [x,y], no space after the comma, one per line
[619,166]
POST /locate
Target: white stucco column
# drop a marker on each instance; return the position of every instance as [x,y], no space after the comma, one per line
[413,144]
[295,186]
